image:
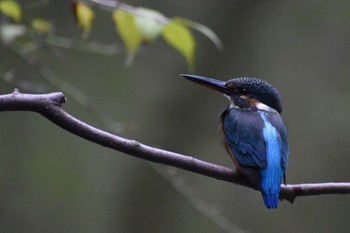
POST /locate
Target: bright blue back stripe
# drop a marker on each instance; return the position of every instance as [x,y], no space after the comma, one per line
[271,175]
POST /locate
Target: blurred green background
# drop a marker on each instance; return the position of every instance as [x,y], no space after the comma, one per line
[52,181]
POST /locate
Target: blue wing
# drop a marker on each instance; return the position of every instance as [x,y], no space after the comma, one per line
[242,134]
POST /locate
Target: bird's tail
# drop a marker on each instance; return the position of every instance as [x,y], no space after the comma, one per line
[270,186]
[271,200]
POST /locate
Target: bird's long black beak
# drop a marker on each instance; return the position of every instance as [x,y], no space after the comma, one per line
[207,82]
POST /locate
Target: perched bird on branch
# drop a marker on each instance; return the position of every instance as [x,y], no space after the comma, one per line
[253,132]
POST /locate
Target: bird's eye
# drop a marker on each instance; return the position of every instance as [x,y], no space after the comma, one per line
[244,91]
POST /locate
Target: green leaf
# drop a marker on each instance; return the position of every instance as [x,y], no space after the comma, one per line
[149,22]
[204,30]
[84,16]
[129,32]
[180,37]
[11,9]
[41,25]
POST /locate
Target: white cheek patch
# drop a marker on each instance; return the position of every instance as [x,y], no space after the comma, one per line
[228,97]
[232,105]
[264,107]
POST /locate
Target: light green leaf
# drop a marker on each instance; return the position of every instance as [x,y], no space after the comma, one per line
[204,30]
[84,16]
[41,25]
[11,9]
[180,37]
[128,31]
[149,22]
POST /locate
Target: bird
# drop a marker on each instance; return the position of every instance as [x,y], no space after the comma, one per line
[253,132]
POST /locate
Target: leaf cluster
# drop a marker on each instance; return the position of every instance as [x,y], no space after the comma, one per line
[136,26]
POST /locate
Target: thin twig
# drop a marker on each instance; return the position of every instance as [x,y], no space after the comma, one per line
[81,45]
[212,212]
[49,105]
[55,80]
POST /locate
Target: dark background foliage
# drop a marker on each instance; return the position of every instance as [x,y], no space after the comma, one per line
[53,181]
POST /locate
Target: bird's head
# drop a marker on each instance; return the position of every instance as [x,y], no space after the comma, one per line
[244,93]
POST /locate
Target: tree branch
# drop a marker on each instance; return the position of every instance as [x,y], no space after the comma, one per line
[49,105]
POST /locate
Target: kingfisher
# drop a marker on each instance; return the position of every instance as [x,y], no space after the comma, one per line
[253,132]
